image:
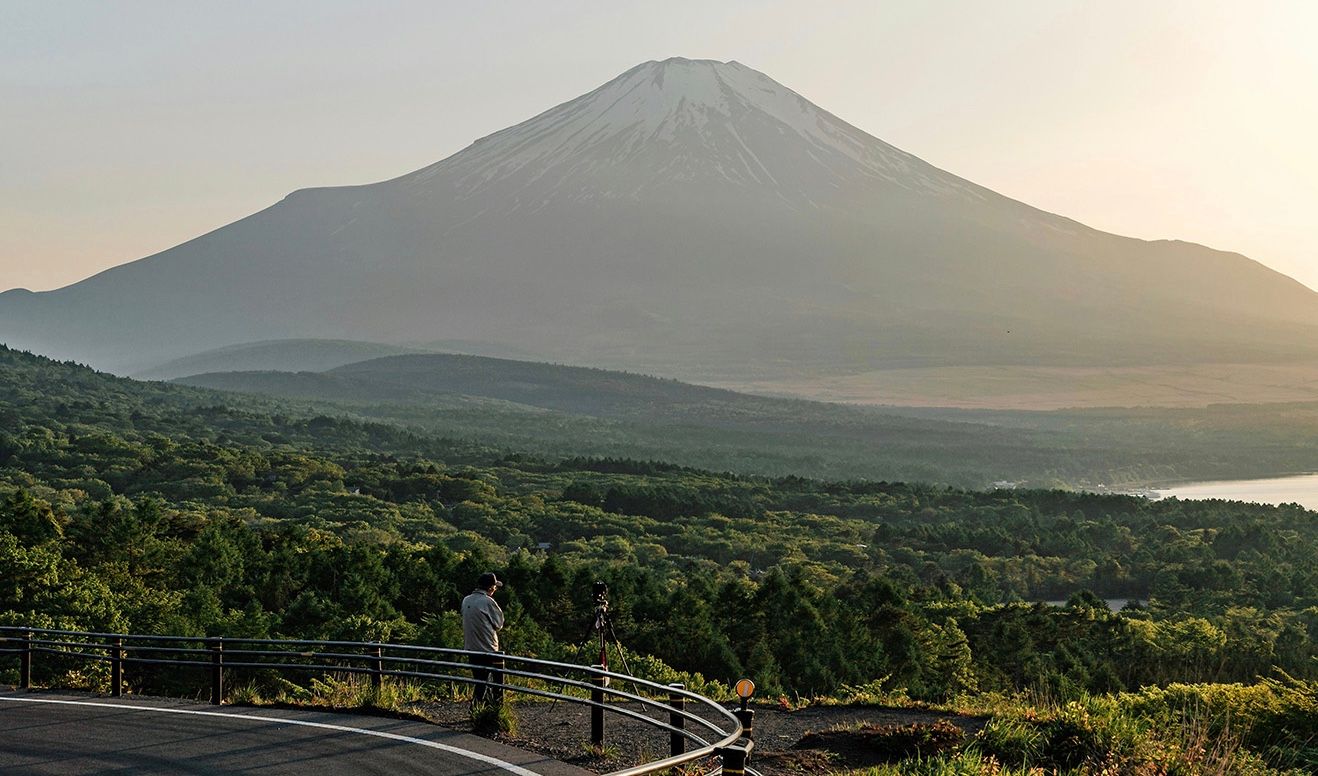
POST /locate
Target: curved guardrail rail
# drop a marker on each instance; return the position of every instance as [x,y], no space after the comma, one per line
[717,733]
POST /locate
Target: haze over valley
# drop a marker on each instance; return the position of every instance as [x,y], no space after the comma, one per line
[566,412]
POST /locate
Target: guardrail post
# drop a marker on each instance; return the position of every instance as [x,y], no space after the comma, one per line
[497,666]
[676,741]
[217,670]
[25,662]
[597,707]
[117,668]
[734,758]
[377,666]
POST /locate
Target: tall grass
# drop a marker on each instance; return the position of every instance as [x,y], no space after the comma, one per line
[1189,730]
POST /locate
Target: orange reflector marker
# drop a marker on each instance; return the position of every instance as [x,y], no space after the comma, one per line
[744,688]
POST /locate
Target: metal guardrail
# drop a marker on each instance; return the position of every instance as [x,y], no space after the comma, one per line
[726,739]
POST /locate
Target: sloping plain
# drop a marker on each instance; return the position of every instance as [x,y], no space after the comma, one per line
[1054,387]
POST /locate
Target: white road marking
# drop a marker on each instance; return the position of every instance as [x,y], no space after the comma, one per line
[500,764]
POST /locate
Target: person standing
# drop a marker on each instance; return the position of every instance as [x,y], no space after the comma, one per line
[482,619]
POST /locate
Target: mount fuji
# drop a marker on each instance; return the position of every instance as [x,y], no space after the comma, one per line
[691,218]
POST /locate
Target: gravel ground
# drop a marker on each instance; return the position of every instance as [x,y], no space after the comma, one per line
[561,730]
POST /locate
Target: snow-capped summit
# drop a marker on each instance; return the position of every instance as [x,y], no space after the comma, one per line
[690,218]
[686,120]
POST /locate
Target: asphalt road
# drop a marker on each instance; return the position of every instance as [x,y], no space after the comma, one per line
[69,735]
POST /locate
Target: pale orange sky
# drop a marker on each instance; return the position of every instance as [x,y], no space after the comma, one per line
[128,127]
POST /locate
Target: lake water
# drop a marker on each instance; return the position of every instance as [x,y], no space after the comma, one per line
[1301,489]
[1115,604]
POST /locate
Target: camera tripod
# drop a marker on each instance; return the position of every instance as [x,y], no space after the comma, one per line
[601,627]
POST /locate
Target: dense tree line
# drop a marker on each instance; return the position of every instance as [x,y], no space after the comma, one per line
[141,507]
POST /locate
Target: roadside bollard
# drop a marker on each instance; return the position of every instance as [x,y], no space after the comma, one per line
[745,688]
[734,757]
[117,668]
[747,719]
[676,741]
[597,707]
[217,670]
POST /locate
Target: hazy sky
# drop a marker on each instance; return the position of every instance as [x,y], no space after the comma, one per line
[129,127]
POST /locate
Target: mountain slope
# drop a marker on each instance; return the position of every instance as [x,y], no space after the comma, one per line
[691,218]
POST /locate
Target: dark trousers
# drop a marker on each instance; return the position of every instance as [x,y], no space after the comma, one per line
[485,668]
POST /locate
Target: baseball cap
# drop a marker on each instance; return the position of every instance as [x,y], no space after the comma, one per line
[488,580]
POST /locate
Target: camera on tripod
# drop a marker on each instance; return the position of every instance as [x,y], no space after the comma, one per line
[602,624]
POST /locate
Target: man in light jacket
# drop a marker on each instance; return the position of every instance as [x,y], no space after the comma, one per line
[482,619]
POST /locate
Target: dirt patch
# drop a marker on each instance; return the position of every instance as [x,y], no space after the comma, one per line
[561,730]
[877,744]
[799,763]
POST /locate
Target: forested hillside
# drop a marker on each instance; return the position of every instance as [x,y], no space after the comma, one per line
[128,467]
[561,411]
[134,506]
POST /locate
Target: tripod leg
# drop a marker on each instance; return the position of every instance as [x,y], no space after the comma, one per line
[617,645]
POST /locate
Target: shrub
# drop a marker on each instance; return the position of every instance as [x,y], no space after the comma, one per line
[1277,718]
[1012,740]
[492,719]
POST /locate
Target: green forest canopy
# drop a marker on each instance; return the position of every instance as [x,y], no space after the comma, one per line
[135,506]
